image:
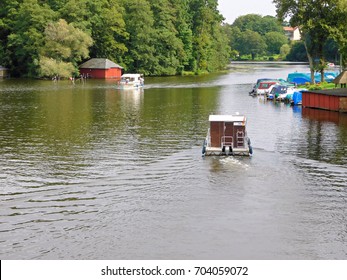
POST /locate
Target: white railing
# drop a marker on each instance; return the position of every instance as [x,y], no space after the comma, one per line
[227,141]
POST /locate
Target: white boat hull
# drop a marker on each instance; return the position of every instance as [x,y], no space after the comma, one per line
[131,86]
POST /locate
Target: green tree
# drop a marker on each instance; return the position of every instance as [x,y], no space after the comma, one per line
[4,30]
[251,42]
[169,47]
[219,54]
[257,23]
[274,41]
[297,52]
[108,29]
[316,20]
[331,50]
[268,27]
[26,22]
[141,43]
[155,37]
[50,67]
[234,34]
[77,12]
[338,31]
[271,24]
[65,46]
[284,51]
[208,36]
[249,22]
[185,34]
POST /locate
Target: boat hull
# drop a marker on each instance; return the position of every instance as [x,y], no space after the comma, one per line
[212,151]
[129,87]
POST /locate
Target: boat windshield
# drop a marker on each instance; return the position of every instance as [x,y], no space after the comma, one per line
[128,79]
[279,90]
[266,85]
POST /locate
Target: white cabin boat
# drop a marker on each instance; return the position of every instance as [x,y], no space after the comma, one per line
[131,81]
[227,135]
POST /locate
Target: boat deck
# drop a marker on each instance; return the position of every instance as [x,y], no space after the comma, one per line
[213,151]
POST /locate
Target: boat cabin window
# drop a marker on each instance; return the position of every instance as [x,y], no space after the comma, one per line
[130,79]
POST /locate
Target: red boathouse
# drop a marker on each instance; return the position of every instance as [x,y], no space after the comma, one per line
[332,99]
[100,68]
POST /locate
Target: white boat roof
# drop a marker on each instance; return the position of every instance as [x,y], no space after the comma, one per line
[227,118]
[131,75]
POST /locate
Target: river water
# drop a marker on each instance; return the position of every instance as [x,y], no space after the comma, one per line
[89,172]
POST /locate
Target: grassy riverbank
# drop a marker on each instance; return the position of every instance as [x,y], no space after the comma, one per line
[318,86]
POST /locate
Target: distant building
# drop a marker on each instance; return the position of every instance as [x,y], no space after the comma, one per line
[293,33]
[100,68]
[4,72]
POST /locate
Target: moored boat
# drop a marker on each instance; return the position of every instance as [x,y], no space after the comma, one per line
[131,81]
[276,91]
[227,135]
[265,87]
[256,85]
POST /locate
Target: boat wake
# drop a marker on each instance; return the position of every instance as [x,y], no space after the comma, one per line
[235,162]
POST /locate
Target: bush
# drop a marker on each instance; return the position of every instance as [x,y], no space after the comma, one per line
[320,86]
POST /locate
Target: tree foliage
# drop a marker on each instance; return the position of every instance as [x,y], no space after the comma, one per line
[167,45]
[274,41]
[338,31]
[318,21]
[284,51]
[64,47]
[208,37]
[155,37]
[251,42]
[25,23]
[257,23]
[141,56]
[107,28]
[297,52]
[256,35]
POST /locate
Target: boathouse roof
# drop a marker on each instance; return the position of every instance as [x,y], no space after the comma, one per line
[100,63]
[341,92]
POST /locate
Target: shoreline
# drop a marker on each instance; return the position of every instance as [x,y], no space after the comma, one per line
[270,62]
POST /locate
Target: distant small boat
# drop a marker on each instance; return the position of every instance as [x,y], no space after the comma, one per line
[131,81]
[227,136]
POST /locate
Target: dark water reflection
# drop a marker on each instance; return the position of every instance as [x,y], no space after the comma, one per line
[89,172]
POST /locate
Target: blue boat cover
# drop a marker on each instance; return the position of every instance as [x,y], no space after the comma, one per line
[297,97]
